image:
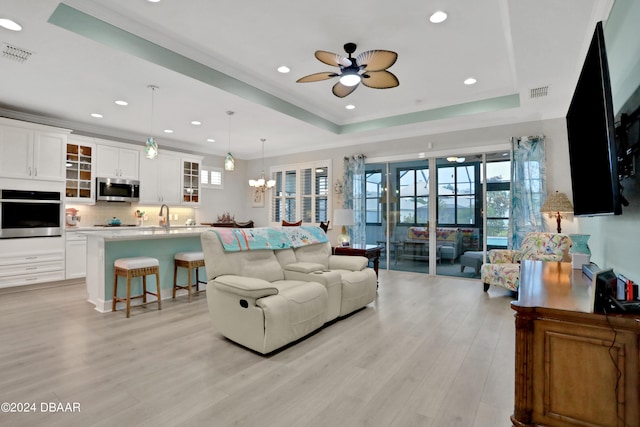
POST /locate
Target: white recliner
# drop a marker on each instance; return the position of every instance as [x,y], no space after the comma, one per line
[265,299]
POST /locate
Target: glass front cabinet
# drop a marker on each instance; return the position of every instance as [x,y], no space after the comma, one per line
[190,181]
[80,164]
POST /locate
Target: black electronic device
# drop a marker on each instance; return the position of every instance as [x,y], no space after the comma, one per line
[603,296]
[590,269]
[591,134]
[604,286]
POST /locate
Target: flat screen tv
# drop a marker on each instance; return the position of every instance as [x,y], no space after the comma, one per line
[591,133]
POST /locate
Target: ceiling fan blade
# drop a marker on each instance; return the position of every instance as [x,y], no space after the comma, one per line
[376,60]
[332,59]
[341,90]
[380,79]
[316,77]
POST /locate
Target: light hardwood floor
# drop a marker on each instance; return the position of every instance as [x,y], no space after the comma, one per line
[429,352]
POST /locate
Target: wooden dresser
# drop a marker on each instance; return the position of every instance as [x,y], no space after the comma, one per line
[573,367]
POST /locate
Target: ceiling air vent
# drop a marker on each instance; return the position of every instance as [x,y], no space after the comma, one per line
[15,53]
[539,92]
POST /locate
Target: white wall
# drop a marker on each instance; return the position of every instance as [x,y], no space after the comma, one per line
[615,240]
[233,198]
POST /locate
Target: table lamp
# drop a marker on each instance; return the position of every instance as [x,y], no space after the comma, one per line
[557,204]
[343,217]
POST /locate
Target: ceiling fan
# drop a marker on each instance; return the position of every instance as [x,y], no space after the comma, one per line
[369,67]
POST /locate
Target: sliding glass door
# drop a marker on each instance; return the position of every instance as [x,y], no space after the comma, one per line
[433,219]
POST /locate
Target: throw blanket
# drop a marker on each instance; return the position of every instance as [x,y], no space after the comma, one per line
[268,238]
[304,235]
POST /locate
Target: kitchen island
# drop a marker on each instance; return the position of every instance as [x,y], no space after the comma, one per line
[106,245]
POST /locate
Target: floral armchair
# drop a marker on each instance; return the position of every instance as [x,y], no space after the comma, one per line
[504,264]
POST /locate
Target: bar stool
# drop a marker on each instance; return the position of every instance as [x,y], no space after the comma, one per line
[135,267]
[188,260]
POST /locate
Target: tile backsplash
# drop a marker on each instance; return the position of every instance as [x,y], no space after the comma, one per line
[100,213]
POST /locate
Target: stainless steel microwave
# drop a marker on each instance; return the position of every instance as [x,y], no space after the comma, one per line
[117,190]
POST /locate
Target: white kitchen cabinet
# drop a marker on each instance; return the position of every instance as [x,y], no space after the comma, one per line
[29,151]
[190,180]
[75,255]
[160,179]
[80,170]
[30,261]
[117,162]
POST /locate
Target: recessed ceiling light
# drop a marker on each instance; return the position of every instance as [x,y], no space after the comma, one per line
[350,107]
[196,123]
[438,17]
[283,69]
[9,24]
[121,102]
[96,115]
[470,81]
[153,1]
[211,140]
[168,131]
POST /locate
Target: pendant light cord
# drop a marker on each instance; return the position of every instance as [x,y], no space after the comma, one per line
[229,113]
[153,91]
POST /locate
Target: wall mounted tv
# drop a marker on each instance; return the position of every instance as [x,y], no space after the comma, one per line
[591,132]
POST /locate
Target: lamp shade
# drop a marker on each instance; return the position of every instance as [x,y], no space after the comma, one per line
[343,217]
[557,202]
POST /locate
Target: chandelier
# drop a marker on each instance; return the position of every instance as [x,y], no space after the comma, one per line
[260,183]
[151,146]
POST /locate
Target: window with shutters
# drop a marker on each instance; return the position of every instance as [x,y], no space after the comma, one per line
[301,193]
[211,177]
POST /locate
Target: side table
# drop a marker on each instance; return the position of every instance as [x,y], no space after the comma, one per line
[371,252]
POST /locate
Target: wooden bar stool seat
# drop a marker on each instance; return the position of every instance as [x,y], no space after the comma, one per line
[190,261]
[141,266]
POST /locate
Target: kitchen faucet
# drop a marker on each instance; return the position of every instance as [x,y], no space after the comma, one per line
[167,222]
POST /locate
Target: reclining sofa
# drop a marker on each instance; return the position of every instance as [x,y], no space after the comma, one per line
[270,286]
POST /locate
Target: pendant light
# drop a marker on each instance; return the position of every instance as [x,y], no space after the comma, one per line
[151,146]
[229,161]
[260,183]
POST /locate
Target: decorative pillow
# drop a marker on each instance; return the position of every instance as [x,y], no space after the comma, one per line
[291,224]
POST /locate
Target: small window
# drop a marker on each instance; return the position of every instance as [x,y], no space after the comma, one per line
[211,177]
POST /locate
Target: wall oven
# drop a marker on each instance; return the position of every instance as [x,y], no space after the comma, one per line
[30,213]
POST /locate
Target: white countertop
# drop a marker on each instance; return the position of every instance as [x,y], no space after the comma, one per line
[140,233]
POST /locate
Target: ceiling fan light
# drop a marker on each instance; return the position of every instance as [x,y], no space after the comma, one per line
[350,79]
[438,17]
[253,183]
[271,183]
[460,160]
[452,159]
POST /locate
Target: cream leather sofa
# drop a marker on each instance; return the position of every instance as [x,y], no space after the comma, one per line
[264,299]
